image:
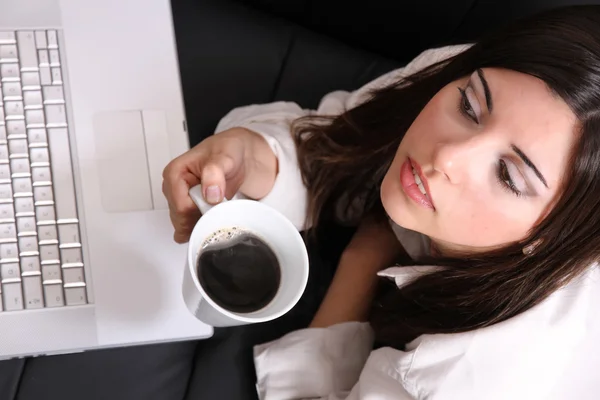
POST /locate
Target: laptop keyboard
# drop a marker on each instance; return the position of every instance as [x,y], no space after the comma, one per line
[41,262]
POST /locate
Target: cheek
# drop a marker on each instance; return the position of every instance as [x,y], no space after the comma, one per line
[436,122]
[485,222]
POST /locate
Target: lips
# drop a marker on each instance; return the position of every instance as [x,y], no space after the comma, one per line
[411,186]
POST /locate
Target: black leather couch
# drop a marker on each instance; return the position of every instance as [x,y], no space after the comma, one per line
[234,53]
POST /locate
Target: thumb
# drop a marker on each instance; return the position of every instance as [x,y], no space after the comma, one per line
[214,179]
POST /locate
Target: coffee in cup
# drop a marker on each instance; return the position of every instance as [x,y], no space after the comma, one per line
[238,270]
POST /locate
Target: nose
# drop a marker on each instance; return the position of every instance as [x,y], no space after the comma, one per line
[462,159]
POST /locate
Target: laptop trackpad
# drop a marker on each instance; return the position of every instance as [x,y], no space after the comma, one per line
[122,161]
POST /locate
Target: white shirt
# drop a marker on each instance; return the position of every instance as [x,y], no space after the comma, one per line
[551,351]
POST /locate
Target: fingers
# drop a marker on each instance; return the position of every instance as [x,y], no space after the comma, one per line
[183,212]
[186,172]
[177,180]
[183,226]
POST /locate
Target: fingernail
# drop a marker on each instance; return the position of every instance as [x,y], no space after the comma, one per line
[213,194]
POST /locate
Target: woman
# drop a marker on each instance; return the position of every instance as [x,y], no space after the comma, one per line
[482,164]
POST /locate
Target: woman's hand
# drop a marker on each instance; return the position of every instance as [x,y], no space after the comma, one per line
[234,160]
[372,248]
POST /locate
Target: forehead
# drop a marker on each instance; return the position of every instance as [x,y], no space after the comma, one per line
[528,114]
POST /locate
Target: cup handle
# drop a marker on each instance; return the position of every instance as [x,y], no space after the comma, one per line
[196,194]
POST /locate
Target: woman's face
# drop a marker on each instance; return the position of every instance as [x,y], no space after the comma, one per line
[490,151]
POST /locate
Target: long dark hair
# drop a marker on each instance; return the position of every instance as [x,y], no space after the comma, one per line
[348,155]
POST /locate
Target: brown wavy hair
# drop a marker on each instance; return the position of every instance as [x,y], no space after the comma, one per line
[348,155]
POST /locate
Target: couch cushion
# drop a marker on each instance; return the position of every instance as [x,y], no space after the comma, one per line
[400,29]
[231,55]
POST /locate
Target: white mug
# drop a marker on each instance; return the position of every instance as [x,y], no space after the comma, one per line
[269,225]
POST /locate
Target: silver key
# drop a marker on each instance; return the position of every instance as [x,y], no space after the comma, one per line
[34,117]
[52,40]
[3,133]
[13,108]
[7,231]
[7,37]
[3,152]
[6,191]
[53,294]
[53,94]
[54,58]
[30,80]
[24,206]
[26,224]
[11,90]
[40,40]
[73,275]
[30,264]
[1,305]
[32,99]
[37,136]
[15,129]
[13,297]
[68,233]
[10,71]
[64,191]
[42,194]
[71,255]
[27,50]
[49,252]
[55,115]
[22,186]
[20,165]
[41,174]
[32,291]
[28,244]
[10,272]
[75,296]
[43,58]
[4,173]
[9,251]
[45,77]
[8,53]
[56,76]
[6,212]
[39,156]
[45,213]
[47,232]
[51,273]
[18,146]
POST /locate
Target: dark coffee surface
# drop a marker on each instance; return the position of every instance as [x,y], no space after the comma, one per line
[241,274]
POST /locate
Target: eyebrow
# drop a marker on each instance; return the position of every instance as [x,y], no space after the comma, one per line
[528,162]
[486,90]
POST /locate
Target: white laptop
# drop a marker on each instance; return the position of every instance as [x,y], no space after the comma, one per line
[91,113]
